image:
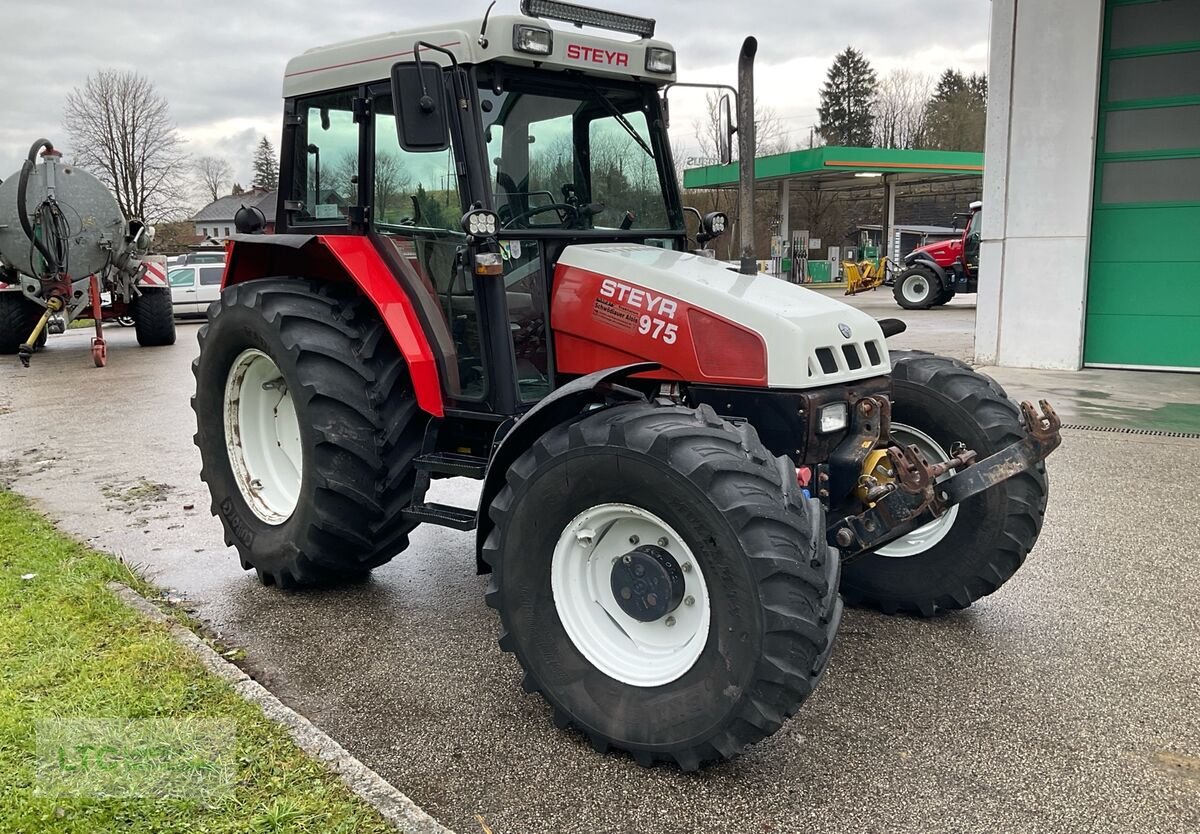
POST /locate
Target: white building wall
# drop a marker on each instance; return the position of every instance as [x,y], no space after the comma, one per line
[1044,77]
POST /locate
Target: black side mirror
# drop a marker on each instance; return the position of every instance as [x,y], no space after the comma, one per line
[419,101]
[725,130]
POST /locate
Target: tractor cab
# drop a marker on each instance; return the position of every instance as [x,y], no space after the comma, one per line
[556,136]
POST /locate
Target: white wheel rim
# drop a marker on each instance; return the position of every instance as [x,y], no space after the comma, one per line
[262,437]
[626,649]
[915,289]
[923,538]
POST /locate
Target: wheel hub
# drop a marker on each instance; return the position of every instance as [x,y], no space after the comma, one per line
[647,583]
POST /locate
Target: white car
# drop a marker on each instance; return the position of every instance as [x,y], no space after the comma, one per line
[194,287]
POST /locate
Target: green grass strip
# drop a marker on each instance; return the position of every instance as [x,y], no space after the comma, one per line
[69,649]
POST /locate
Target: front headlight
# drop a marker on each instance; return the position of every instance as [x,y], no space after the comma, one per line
[832,417]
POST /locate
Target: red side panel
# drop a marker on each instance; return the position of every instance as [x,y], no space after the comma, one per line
[351,257]
[600,321]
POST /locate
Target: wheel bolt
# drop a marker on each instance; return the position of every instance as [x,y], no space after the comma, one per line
[627,559]
[663,542]
[689,600]
[686,567]
[652,600]
[670,621]
[256,485]
[626,593]
[634,540]
[639,570]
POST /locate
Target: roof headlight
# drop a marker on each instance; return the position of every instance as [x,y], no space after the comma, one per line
[533,40]
[660,60]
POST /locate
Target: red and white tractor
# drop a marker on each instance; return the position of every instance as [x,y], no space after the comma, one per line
[685,467]
[933,274]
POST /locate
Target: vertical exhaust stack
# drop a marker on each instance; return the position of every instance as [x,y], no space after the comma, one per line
[745,131]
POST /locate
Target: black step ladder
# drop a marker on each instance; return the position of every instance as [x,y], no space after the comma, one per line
[430,463]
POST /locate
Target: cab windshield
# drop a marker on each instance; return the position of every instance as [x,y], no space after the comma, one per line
[572,152]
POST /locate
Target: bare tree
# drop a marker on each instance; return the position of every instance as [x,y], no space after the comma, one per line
[120,129]
[391,184]
[899,109]
[214,173]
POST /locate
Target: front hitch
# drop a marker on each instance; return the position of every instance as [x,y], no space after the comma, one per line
[916,497]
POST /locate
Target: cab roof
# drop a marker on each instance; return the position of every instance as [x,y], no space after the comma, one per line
[370,59]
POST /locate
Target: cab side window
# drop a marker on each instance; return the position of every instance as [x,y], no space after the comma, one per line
[324,159]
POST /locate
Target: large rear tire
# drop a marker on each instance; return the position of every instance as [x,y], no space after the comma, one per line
[975,548]
[153,317]
[691,684]
[18,315]
[307,428]
[917,288]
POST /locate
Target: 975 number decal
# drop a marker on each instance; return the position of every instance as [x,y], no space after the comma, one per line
[656,328]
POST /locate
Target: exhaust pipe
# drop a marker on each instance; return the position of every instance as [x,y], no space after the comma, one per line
[745,131]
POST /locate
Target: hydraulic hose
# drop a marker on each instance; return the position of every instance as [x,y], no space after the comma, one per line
[27,168]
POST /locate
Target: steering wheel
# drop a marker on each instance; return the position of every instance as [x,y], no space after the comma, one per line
[566,212]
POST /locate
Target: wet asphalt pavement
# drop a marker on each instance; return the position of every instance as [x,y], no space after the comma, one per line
[1065,702]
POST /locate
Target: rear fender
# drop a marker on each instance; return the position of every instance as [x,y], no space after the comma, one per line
[348,258]
[599,388]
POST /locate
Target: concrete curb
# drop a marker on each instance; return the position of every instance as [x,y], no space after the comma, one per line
[368,785]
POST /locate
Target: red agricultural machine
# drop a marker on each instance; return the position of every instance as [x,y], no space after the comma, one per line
[936,272]
[685,466]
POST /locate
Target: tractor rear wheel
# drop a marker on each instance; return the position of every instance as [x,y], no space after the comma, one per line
[153,317]
[917,288]
[18,315]
[938,402]
[663,582]
[307,428]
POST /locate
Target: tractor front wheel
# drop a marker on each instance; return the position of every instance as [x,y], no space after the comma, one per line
[937,404]
[663,582]
[307,429]
[917,288]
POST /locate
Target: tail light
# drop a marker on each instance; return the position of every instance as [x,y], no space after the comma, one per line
[725,350]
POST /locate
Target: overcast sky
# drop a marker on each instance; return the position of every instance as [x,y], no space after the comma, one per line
[220,64]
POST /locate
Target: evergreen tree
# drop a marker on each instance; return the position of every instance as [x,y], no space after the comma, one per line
[956,116]
[846,100]
[266,166]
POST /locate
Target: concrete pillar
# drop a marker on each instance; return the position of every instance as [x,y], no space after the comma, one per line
[1037,182]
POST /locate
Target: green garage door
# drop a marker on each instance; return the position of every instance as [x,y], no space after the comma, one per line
[1144,282]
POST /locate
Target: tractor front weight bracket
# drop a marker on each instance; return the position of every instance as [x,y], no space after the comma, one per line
[917,497]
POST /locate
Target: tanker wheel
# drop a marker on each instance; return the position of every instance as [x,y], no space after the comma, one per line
[662,582]
[18,316]
[307,428]
[979,544]
[917,288]
[153,317]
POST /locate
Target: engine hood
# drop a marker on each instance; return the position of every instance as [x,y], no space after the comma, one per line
[811,339]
